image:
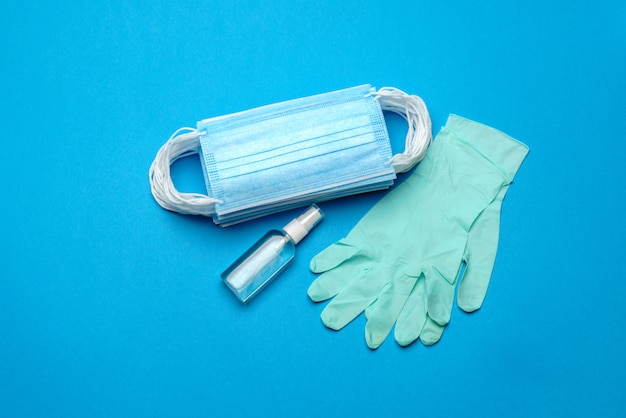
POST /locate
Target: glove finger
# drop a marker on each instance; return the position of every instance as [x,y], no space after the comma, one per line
[431,333]
[333,281]
[413,315]
[352,300]
[440,297]
[480,256]
[332,256]
[383,313]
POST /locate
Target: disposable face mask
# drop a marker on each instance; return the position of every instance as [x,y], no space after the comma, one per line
[293,153]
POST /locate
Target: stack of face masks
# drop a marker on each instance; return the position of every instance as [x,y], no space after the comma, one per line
[293,153]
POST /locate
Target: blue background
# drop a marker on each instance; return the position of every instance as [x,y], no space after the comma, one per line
[112,306]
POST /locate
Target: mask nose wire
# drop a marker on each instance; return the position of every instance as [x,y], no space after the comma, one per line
[183,143]
[419,136]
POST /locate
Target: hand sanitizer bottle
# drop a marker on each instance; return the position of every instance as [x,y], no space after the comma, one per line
[269,256]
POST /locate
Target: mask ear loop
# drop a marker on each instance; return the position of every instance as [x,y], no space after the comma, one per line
[179,145]
[419,137]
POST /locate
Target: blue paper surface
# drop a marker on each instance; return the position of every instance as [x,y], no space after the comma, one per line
[112,306]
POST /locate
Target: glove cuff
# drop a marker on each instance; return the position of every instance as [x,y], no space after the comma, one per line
[503,151]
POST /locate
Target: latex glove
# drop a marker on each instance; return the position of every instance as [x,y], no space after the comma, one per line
[410,246]
[414,322]
[480,254]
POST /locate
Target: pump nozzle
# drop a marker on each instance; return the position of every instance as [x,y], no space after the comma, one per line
[300,226]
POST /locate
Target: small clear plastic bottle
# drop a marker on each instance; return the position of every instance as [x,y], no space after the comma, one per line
[269,256]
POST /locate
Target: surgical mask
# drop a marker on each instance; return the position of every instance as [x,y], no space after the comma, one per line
[293,153]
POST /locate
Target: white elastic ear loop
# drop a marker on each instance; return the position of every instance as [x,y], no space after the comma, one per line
[419,137]
[178,146]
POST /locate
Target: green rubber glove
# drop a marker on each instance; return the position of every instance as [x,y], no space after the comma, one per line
[480,254]
[409,248]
